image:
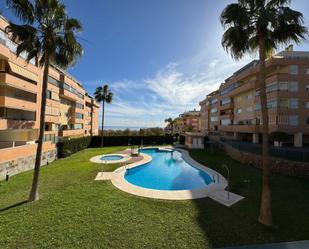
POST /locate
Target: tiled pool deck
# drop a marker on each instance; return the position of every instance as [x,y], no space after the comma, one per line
[216,190]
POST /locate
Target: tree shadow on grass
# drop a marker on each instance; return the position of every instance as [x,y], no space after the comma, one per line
[13,206]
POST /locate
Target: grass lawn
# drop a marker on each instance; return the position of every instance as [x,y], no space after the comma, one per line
[77,212]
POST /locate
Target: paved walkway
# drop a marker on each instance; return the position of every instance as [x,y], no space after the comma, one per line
[303,244]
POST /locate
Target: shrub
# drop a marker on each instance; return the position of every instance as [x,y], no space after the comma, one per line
[182,139]
[67,147]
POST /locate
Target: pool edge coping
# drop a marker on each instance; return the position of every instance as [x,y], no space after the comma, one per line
[119,181]
[97,159]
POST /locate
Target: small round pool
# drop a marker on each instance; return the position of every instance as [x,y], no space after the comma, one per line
[112,158]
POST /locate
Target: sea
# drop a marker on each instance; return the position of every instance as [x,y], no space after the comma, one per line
[133,128]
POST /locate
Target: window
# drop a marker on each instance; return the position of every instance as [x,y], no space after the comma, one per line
[53,81]
[257,92]
[272,87]
[258,106]
[79,115]
[307,70]
[214,119]
[307,120]
[225,101]
[238,110]
[79,106]
[225,122]
[283,103]
[229,88]
[78,126]
[48,94]
[293,120]
[214,110]
[293,86]
[283,86]
[293,69]
[307,105]
[307,87]
[293,103]
[272,104]
[214,101]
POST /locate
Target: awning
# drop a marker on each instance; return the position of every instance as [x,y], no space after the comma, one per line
[23,72]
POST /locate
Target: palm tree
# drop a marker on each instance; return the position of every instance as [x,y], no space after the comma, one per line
[261,26]
[170,122]
[103,94]
[48,35]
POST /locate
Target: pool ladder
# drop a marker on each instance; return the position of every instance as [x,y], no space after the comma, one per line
[218,177]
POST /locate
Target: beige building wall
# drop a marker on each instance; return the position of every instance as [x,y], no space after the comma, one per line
[287,86]
[20,100]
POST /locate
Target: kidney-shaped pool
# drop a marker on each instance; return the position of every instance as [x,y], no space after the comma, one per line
[167,171]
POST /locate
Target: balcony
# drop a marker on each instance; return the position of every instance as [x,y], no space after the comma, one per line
[226,106]
[241,128]
[6,124]
[15,103]
[227,116]
[244,87]
[68,133]
[13,81]
[75,120]
[52,119]
[68,95]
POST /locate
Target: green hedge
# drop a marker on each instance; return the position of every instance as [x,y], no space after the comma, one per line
[68,147]
[132,140]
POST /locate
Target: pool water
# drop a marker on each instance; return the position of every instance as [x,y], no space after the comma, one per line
[111,158]
[167,172]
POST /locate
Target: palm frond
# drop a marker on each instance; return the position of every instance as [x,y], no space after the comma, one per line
[23,9]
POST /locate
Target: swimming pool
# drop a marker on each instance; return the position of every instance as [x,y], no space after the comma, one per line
[167,171]
[112,158]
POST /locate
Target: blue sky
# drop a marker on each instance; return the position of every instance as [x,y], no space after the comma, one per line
[159,57]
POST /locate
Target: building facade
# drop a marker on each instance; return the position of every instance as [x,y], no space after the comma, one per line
[190,121]
[70,111]
[234,110]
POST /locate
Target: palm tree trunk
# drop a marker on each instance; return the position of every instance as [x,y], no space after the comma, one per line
[102,135]
[265,216]
[34,193]
[91,118]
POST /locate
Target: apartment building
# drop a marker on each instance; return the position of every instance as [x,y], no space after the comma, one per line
[70,111]
[190,120]
[234,110]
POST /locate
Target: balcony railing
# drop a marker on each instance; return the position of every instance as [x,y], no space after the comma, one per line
[6,124]
[66,133]
[13,81]
[16,103]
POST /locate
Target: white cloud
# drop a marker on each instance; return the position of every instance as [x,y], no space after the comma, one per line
[172,90]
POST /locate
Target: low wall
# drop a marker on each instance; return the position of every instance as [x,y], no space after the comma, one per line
[19,164]
[278,165]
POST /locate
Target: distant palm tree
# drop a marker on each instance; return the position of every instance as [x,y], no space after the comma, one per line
[170,122]
[103,94]
[261,26]
[48,35]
